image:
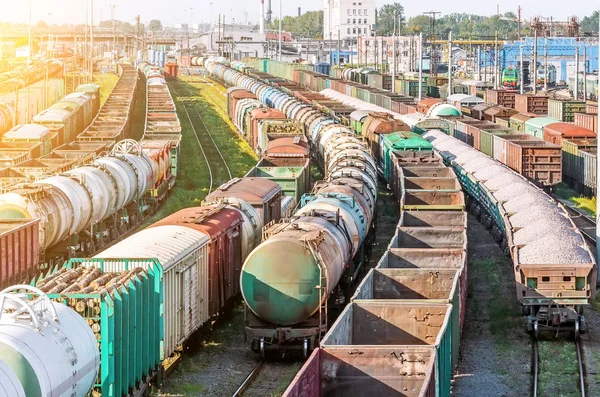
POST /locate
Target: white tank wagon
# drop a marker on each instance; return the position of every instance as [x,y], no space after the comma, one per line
[79,201]
[46,348]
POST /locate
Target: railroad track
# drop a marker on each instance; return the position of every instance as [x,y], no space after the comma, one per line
[249,379]
[585,223]
[537,364]
[219,171]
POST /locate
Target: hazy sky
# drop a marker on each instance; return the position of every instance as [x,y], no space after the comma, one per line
[173,11]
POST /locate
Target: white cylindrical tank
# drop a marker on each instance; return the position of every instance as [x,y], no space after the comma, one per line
[47,203]
[80,199]
[123,175]
[142,165]
[101,187]
[48,346]
[10,385]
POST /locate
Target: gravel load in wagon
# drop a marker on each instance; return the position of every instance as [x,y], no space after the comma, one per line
[555,249]
[525,201]
[489,172]
[502,180]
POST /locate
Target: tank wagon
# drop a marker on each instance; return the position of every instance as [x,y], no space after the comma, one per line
[186,269]
[555,272]
[87,207]
[320,241]
[46,347]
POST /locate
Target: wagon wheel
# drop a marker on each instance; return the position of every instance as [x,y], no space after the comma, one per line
[127,146]
[576,330]
[536,330]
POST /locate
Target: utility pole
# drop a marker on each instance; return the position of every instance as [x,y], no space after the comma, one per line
[496,62]
[576,73]
[521,78]
[519,22]
[280,16]
[598,179]
[535,59]
[112,18]
[450,63]
[432,57]
[338,47]
[29,41]
[545,64]
[584,73]
[420,66]
[394,55]
[91,66]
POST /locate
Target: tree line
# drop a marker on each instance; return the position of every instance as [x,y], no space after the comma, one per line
[462,25]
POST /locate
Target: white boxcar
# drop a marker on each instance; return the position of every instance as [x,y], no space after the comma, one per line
[183,254]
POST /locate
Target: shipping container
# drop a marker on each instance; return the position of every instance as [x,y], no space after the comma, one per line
[533,158]
[564,110]
[19,251]
[370,371]
[587,121]
[556,132]
[526,103]
[367,324]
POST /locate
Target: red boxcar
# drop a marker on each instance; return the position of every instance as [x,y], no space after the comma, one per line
[19,251]
[222,225]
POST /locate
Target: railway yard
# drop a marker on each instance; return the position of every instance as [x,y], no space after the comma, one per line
[258,228]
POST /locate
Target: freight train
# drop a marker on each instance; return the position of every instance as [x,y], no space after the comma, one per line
[324,241]
[523,156]
[175,276]
[400,335]
[58,138]
[84,208]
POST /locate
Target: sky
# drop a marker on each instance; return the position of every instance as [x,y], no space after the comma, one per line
[171,12]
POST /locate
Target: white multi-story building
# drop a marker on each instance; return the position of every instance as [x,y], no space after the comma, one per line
[351,18]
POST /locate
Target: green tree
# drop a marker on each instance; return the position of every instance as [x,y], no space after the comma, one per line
[589,25]
[385,19]
[419,24]
[309,24]
[155,25]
